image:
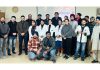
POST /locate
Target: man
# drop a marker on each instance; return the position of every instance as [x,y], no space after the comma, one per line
[55,19]
[96,41]
[82,32]
[29,20]
[91,25]
[78,18]
[74,25]
[38,21]
[49,47]
[12,35]
[87,18]
[47,19]
[4,31]
[22,28]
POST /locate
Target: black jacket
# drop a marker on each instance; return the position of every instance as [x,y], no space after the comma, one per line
[13,28]
[29,22]
[55,21]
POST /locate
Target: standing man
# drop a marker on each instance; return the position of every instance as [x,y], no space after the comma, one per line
[38,21]
[55,19]
[22,28]
[29,20]
[47,19]
[12,35]
[4,31]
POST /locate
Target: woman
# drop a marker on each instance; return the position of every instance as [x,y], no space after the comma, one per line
[59,38]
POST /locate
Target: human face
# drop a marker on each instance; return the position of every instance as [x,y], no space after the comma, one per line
[33,23]
[59,22]
[50,22]
[2,19]
[48,35]
[83,22]
[23,18]
[13,19]
[71,18]
[29,16]
[92,20]
[35,36]
[47,16]
[42,22]
[97,21]
[66,22]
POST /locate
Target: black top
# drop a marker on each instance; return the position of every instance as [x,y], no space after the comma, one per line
[55,20]
[38,22]
[29,21]
[13,28]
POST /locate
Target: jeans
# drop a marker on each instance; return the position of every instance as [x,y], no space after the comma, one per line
[78,46]
[12,44]
[31,55]
[50,54]
[3,46]
[21,38]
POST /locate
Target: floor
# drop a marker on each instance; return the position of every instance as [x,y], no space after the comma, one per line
[15,58]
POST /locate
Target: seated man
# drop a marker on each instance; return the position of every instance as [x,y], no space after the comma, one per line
[49,47]
[34,47]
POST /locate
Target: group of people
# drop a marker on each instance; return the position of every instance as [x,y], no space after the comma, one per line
[47,38]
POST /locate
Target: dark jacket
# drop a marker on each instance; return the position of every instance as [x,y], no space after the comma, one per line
[22,27]
[55,20]
[52,42]
[46,21]
[13,28]
[4,29]
[38,22]
[29,22]
[91,26]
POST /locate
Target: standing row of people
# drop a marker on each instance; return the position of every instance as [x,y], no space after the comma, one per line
[46,38]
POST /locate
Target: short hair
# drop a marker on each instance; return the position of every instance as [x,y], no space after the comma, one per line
[13,17]
[22,16]
[34,21]
[48,32]
[56,13]
[98,17]
[48,14]
[84,20]
[79,14]
[39,15]
[87,16]
[67,19]
[72,15]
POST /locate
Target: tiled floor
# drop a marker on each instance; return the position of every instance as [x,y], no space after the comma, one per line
[24,59]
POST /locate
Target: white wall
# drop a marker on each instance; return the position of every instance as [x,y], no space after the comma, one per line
[91,11]
[21,11]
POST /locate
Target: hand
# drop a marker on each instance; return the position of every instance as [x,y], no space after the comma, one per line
[48,48]
[5,36]
[58,36]
[14,33]
[22,34]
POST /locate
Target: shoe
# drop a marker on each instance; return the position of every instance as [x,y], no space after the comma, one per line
[25,53]
[9,54]
[94,61]
[19,53]
[75,58]
[66,57]
[54,61]
[14,52]
[82,59]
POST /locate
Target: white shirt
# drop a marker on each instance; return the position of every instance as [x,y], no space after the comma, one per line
[85,30]
[58,32]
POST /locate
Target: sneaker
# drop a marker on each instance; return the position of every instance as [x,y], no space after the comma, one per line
[19,53]
[14,52]
[54,61]
[75,58]
[82,59]
[94,61]
[9,54]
